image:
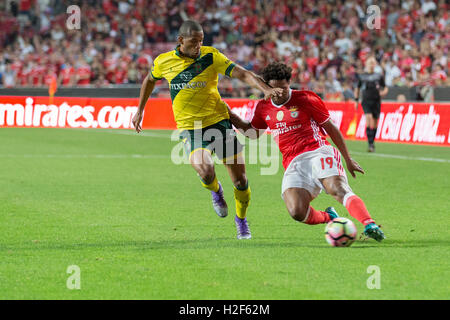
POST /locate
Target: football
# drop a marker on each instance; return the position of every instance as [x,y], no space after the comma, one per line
[341,232]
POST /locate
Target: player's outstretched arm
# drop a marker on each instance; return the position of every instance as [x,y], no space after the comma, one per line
[384,92]
[356,93]
[244,127]
[384,89]
[256,82]
[338,139]
[146,90]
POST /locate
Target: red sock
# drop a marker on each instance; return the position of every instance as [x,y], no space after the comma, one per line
[316,217]
[358,210]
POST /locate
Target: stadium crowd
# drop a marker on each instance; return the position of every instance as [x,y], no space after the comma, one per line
[325,42]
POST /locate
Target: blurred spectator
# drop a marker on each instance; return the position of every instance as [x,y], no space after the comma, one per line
[347,92]
[392,71]
[424,87]
[401,98]
[83,73]
[325,42]
[439,76]
[133,73]
[8,76]
[67,75]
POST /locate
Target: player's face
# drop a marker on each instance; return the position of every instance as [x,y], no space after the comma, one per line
[190,46]
[371,64]
[283,84]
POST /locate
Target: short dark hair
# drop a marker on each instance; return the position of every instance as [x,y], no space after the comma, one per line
[277,71]
[189,26]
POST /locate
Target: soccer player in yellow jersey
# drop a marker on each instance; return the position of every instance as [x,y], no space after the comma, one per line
[202,117]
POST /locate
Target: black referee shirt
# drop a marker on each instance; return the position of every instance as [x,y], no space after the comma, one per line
[370,85]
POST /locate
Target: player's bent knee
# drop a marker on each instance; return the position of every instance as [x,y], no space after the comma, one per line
[338,193]
[298,212]
[206,173]
[337,188]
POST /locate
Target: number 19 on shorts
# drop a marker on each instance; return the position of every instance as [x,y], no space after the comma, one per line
[327,163]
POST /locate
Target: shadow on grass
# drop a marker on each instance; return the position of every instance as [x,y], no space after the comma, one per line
[218,243]
[191,244]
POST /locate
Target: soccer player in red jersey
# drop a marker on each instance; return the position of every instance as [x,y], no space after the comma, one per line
[296,120]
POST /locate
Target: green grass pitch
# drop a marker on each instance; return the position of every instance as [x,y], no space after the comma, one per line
[140,227]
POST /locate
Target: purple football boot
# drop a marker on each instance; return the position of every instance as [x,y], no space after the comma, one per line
[219,203]
[243,231]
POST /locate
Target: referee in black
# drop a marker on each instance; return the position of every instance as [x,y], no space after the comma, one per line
[373,89]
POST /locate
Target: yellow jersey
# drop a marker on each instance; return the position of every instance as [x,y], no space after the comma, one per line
[196,101]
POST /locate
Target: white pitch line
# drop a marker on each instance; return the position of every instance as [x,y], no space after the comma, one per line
[381,155]
[127,132]
[393,156]
[87,156]
[265,144]
[161,156]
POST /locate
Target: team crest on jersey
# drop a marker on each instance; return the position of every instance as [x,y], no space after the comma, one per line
[280,115]
[294,112]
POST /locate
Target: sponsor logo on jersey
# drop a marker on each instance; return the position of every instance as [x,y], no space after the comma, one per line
[192,85]
[280,115]
[282,129]
[186,76]
[267,118]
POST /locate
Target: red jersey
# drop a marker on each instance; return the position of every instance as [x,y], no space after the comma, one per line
[25,5]
[84,74]
[120,75]
[17,66]
[295,125]
[22,77]
[37,75]
[48,78]
[66,74]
